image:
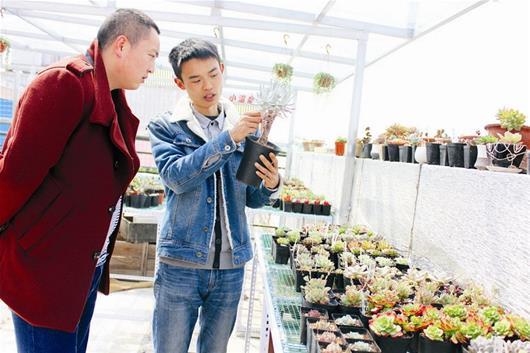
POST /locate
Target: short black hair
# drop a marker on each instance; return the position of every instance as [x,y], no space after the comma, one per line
[192,48]
[133,24]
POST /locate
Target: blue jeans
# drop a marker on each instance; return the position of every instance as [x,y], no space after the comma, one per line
[33,339]
[180,292]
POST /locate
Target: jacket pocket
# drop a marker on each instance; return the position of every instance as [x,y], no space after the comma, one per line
[41,214]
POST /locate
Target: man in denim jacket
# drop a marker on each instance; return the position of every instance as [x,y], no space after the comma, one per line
[204,242]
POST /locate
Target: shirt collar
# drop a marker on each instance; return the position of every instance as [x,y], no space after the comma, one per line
[205,121]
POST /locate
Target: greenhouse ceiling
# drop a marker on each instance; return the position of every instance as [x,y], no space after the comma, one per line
[312,36]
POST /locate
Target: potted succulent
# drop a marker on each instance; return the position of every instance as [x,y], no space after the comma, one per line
[323,83]
[455,154]
[367,143]
[389,335]
[351,301]
[508,151]
[326,208]
[510,120]
[275,100]
[395,135]
[4,44]
[433,340]
[287,203]
[483,159]
[282,72]
[340,146]
[309,313]
[280,250]
[317,296]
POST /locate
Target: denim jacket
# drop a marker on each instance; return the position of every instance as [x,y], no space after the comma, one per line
[187,162]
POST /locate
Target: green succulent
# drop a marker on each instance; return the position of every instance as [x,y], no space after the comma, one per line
[280,231]
[282,241]
[316,291]
[521,328]
[511,119]
[352,297]
[323,82]
[456,310]
[293,236]
[283,71]
[471,330]
[384,325]
[434,333]
[503,328]
[490,314]
[482,140]
[338,247]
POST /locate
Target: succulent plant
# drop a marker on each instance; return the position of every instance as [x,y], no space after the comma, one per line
[497,345]
[280,231]
[434,333]
[304,262]
[333,348]
[510,138]
[456,310]
[503,328]
[511,119]
[348,321]
[275,99]
[324,325]
[472,329]
[338,246]
[482,140]
[313,313]
[362,347]
[323,82]
[384,325]
[316,291]
[352,297]
[490,314]
[283,71]
[384,261]
[282,241]
[521,327]
[293,236]
[324,264]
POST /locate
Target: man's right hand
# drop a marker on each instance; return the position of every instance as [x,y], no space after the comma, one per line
[247,125]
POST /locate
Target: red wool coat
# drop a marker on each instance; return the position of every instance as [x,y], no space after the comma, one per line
[67,159]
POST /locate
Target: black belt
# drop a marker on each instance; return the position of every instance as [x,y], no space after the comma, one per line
[217,227]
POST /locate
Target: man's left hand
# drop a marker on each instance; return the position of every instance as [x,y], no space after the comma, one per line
[269,173]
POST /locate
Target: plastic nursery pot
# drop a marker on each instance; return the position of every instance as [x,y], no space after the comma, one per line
[405,154]
[470,156]
[444,161]
[385,153]
[339,148]
[304,318]
[433,153]
[287,206]
[428,346]
[280,253]
[367,151]
[393,152]
[389,344]
[246,173]
[455,154]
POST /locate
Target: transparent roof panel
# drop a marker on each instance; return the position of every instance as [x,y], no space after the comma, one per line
[255,34]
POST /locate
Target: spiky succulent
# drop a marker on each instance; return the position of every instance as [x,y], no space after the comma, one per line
[275,99]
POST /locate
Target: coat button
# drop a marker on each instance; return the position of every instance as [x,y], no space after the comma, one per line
[199,254]
[205,229]
[116,164]
[188,140]
[227,148]
[96,255]
[217,241]
[111,209]
[209,199]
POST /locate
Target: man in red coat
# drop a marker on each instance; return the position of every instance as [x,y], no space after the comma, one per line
[65,164]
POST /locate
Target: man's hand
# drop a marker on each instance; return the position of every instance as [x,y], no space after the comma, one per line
[269,173]
[247,125]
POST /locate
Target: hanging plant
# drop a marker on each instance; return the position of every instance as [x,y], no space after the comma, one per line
[323,82]
[283,72]
[4,44]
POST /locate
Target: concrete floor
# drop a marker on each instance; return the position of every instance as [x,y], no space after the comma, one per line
[122,324]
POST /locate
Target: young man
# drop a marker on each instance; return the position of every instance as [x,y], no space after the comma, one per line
[204,242]
[66,161]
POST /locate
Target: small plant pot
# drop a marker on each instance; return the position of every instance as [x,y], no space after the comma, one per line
[332,307]
[433,153]
[280,253]
[350,310]
[402,344]
[304,319]
[384,151]
[154,200]
[287,206]
[444,161]
[339,281]
[455,154]
[330,278]
[506,155]
[127,200]
[470,156]
[277,203]
[483,160]
[420,154]
[336,316]
[246,173]
[317,209]
[393,153]
[367,151]
[340,147]
[360,330]
[299,280]
[326,210]
[297,207]
[429,346]
[402,268]
[405,154]
[307,208]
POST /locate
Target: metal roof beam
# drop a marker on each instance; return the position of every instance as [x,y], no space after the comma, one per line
[283,27]
[307,17]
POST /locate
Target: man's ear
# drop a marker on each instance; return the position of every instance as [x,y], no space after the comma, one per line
[179,83]
[222,67]
[119,45]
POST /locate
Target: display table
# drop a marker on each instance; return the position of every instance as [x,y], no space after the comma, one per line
[282,216]
[280,329]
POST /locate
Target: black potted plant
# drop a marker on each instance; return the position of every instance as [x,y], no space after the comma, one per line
[433,153]
[455,154]
[280,250]
[367,143]
[389,335]
[305,314]
[434,340]
[508,152]
[274,100]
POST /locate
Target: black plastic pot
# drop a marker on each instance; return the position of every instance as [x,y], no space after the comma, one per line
[470,156]
[276,203]
[444,161]
[433,153]
[455,154]
[428,346]
[287,206]
[394,345]
[339,281]
[347,329]
[299,280]
[332,307]
[246,173]
[304,319]
[367,151]
[307,208]
[317,209]
[413,154]
[280,253]
[326,210]
[336,316]
[405,154]
[297,207]
[393,153]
